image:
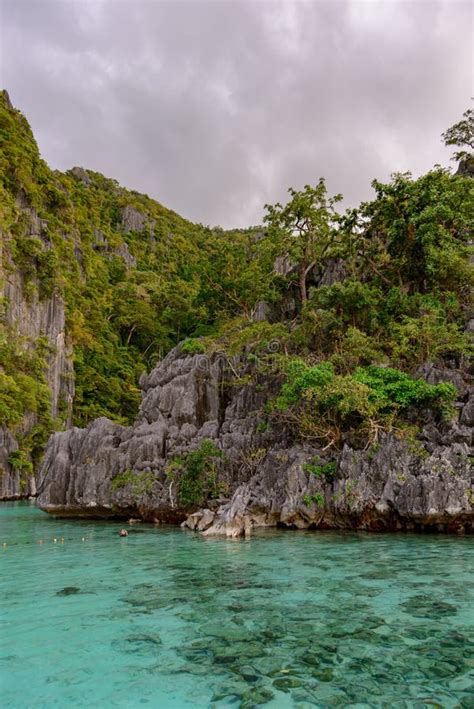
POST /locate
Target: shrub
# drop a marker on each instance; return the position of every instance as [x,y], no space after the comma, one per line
[331,408]
[317,499]
[393,390]
[140,482]
[193,346]
[326,470]
[195,474]
[19,461]
[299,379]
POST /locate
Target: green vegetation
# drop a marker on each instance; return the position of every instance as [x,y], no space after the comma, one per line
[140,482]
[316,499]
[303,231]
[461,135]
[137,279]
[327,406]
[195,474]
[326,470]
[193,346]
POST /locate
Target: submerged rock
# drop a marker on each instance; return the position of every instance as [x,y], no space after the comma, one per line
[68,591]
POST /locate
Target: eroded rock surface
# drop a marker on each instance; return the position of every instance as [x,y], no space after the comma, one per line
[29,317]
[186,399]
[395,485]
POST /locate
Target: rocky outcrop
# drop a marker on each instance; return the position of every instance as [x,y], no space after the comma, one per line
[110,470]
[466,167]
[134,220]
[82,175]
[102,245]
[393,489]
[186,399]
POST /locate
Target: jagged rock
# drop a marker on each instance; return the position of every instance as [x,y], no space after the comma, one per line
[81,175]
[261,312]
[123,252]
[334,271]
[6,97]
[392,490]
[283,266]
[396,485]
[185,400]
[466,167]
[134,220]
[467,413]
[200,521]
[435,374]
[101,244]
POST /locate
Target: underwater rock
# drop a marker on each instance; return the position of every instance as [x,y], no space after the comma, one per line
[68,591]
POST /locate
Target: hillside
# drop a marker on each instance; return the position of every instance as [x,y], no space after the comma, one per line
[338,318]
[98,284]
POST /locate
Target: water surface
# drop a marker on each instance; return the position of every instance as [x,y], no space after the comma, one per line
[168,618]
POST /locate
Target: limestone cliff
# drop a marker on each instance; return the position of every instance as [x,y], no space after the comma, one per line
[396,485]
[29,318]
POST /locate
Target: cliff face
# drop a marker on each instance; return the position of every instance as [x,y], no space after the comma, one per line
[27,319]
[396,485]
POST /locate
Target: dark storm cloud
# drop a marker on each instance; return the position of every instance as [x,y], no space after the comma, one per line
[215,108]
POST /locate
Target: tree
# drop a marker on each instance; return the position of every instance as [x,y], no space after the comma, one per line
[461,134]
[415,234]
[304,229]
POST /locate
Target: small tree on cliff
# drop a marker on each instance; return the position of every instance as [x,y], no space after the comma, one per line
[461,134]
[304,229]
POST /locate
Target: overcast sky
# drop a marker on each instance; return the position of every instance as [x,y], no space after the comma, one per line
[215,108]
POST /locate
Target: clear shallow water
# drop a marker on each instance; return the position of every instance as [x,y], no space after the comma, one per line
[167,618]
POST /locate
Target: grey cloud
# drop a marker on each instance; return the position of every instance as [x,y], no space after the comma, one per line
[215,108]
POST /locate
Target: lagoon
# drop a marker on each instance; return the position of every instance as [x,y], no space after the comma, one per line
[167,618]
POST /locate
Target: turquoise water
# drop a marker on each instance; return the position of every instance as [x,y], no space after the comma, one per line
[167,618]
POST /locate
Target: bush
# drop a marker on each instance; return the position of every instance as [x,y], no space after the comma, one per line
[140,482]
[193,346]
[331,408]
[392,390]
[19,461]
[195,474]
[299,379]
[326,470]
[317,499]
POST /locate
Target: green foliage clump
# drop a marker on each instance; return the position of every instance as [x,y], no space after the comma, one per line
[193,346]
[461,134]
[256,340]
[19,461]
[316,499]
[301,378]
[195,474]
[141,482]
[329,407]
[394,390]
[326,470]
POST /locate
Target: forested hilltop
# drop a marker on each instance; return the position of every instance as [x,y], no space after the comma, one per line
[346,309]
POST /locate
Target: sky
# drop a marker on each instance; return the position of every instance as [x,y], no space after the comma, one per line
[216,108]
